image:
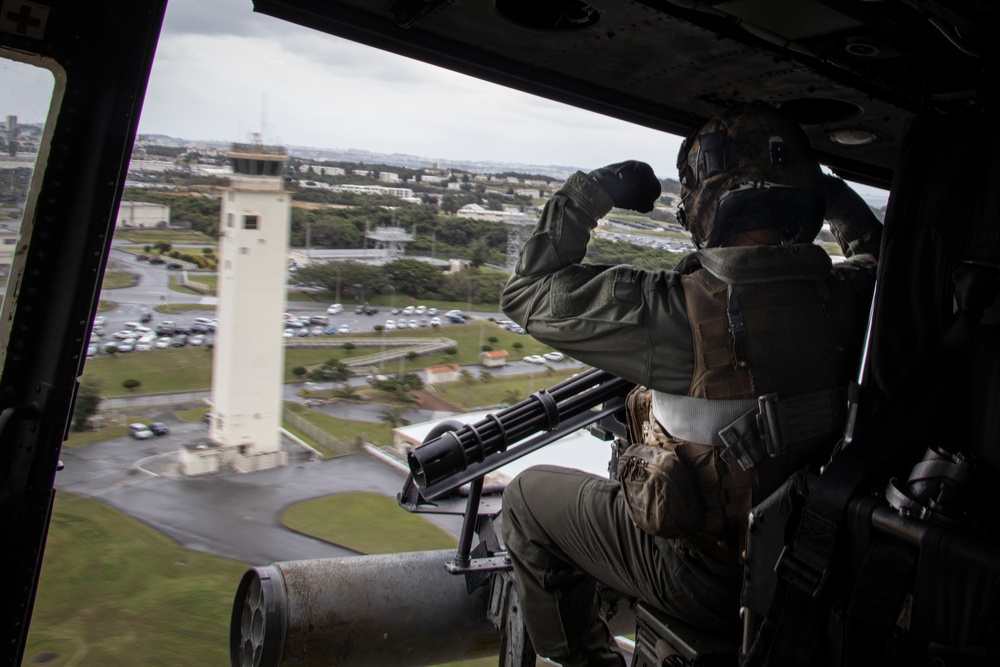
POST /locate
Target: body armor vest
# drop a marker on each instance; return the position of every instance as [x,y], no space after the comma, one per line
[767,322]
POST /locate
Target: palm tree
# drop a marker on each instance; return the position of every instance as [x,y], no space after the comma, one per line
[393,417]
[467,379]
[349,395]
[402,398]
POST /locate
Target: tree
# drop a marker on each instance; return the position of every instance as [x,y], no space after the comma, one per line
[486,377]
[299,371]
[131,384]
[414,277]
[467,379]
[88,398]
[511,396]
[393,417]
[332,370]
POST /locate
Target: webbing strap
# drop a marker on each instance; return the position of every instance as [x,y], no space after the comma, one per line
[751,429]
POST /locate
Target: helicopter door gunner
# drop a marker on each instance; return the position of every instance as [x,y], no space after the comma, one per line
[742,355]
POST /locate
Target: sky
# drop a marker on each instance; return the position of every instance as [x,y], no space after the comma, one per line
[222,72]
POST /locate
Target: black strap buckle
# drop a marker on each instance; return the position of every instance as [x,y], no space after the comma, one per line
[805,563]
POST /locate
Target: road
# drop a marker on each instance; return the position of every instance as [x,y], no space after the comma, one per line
[233,515]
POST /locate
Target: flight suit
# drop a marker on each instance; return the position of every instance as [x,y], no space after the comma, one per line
[728,326]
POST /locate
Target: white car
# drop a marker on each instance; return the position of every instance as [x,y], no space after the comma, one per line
[414,324]
[335,309]
[408,310]
[535,359]
[554,356]
[420,310]
[344,329]
[435,321]
[140,431]
[390,325]
[163,343]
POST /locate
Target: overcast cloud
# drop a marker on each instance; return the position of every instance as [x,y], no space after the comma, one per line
[222,71]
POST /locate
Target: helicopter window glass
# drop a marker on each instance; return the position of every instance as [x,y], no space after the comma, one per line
[26,94]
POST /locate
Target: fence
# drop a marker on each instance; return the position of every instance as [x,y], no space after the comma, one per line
[328,441]
[194,284]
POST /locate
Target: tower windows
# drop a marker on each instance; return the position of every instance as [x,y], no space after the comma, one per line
[250,222]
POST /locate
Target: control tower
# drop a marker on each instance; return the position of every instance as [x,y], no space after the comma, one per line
[248,366]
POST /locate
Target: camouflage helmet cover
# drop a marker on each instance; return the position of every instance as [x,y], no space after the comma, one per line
[750,168]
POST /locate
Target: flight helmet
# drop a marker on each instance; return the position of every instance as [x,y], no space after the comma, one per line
[750,168]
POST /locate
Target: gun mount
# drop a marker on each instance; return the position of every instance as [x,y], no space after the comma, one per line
[409,609]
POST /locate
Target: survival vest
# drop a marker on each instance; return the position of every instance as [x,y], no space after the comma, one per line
[776,338]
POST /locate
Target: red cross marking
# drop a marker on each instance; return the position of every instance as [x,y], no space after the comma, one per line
[23,20]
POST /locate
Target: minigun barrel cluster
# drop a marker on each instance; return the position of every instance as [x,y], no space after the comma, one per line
[549,410]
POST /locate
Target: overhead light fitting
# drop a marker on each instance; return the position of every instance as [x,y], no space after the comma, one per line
[852,137]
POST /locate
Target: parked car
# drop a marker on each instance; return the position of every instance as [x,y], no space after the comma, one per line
[197,339]
[92,350]
[414,324]
[535,359]
[554,356]
[126,345]
[140,431]
[317,331]
[420,310]
[408,310]
[335,309]
[159,428]
[344,329]
[162,343]
[390,325]
[319,319]
[435,321]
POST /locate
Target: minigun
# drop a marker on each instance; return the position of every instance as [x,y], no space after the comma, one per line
[408,609]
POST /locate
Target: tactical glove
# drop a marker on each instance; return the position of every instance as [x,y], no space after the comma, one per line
[857,230]
[631,185]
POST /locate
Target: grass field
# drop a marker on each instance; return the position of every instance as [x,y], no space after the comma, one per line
[150,236]
[184,369]
[115,592]
[366,522]
[344,429]
[117,279]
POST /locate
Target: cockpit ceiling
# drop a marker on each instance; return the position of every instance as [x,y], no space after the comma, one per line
[851,72]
